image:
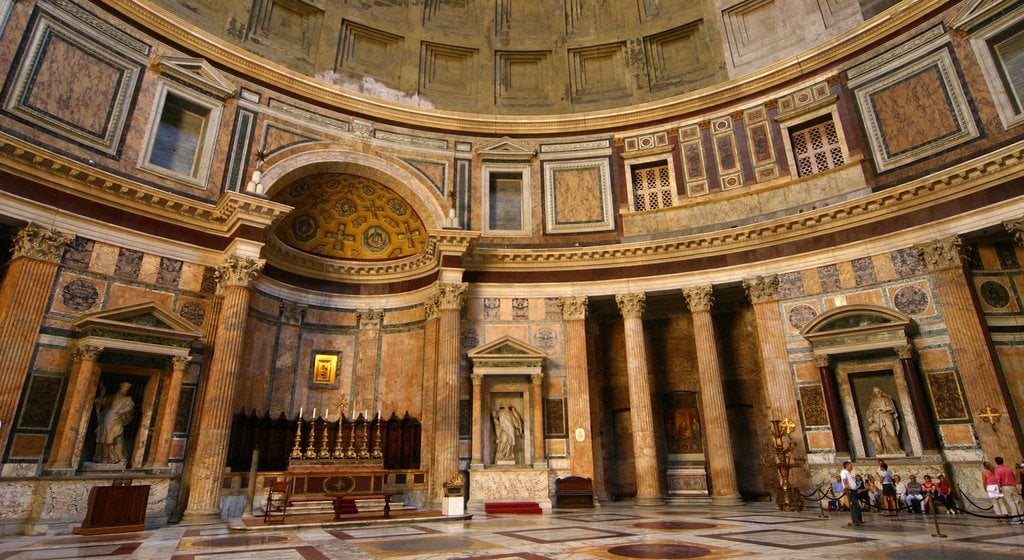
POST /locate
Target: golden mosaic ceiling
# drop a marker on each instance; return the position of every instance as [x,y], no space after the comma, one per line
[343,216]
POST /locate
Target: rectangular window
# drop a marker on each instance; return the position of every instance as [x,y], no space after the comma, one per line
[816,146]
[506,201]
[652,186]
[1008,51]
[178,142]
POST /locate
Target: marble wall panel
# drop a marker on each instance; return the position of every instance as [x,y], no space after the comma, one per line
[195,311]
[914,299]
[78,253]
[578,196]
[819,440]
[257,368]
[104,259]
[28,446]
[400,387]
[39,410]
[149,269]
[191,277]
[322,316]
[932,359]
[496,331]
[959,435]
[79,294]
[884,269]
[267,306]
[996,294]
[49,358]
[947,398]
[804,372]
[870,297]
[122,294]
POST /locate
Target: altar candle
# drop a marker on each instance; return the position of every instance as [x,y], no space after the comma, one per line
[327,415]
[300,412]
[314,413]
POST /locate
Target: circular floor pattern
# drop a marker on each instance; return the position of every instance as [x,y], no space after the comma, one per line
[432,544]
[665,551]
[241,541]
[674,525]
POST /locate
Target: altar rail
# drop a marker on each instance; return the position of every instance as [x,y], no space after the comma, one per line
[275,438]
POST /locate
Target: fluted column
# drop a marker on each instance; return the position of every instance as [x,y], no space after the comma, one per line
[206,469]
[763,293]
[648,476]
[167,415]
[68,437]
[476,459]
[840,437]
[581,440]
[971,351]
[446,421]
[35,255]
[712,396]
[537,386]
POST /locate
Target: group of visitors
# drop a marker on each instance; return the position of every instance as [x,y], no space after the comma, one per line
[1001,485]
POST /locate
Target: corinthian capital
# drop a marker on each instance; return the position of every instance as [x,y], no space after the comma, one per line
[179,363]
[43,244]
[235,271]
[631,305]
[86,352]
[762,288]
[699,298]
[451,296]
[574,308]
[1016,229]
[370,318]
[942,253]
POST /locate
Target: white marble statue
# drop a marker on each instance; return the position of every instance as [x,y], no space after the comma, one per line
[113,412]
[508,427]
[883,424]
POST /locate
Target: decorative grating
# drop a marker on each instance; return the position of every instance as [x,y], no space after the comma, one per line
[652,188]
[816,148]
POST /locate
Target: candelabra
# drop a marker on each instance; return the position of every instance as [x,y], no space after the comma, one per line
[376,442]
[325,452]
[780,455]
[310,445]
[297,449]
[351,452]
[339,453]
[364,441]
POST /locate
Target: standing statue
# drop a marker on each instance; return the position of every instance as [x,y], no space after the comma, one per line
[883,426]
[113,412]
[508,425]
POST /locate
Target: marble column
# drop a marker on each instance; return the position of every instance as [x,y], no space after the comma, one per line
[834,407]
[969,342]
[581,439]
[206,469]
[431,316]
[537,390]
[164,431]
[69,436]
[925,426]
[476,460]
[712,396]
[450,298]
[35,257]
[648,475]
[364,386]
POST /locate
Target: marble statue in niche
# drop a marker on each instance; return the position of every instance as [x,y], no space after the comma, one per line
[508,428]
[113,413]
[883,424]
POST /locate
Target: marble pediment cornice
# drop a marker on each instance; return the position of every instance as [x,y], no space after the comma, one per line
[959,181]
[821,59]
[223,218]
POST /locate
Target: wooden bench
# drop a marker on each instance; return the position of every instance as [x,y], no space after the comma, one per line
[574,491]
[346,504]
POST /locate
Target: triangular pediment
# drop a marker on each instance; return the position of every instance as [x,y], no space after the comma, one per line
[506,347]
[856,328]
[196,73]
[148,322]
[505,149]
[971,13]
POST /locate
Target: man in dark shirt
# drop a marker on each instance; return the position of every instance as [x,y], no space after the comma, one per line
[914,495]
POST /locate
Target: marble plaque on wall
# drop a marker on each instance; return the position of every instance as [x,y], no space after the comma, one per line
[577,196]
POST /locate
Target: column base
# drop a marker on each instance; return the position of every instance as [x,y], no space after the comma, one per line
[650,501]
[200,517]
[727,501]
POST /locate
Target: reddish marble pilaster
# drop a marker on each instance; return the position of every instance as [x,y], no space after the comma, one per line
[716,421]
[431,317]
[206,468]
[648,475]
[476,459]
[35,255]
[167,414]
[367,361]
[537,388]
[581,440]
[446,420]
[76,406]
[834,407]
[972,352]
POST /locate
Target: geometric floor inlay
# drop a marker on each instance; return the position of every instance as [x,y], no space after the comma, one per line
[790,540]
[659,550]
[562,534]
[674,525]
[766,519]
[381,532]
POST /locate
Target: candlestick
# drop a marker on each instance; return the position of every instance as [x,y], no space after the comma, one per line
[311,444]
[376,441]
[300,412]
[364,441]
[314,413]
[338,451]
[296,450]
[324,452]
[351,453]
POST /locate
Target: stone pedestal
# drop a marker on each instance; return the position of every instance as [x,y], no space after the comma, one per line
[502,484]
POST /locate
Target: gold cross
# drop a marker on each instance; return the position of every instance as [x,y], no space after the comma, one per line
[990,416]
[341,404]
[788,425]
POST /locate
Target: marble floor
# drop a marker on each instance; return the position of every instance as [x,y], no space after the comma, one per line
[618,531]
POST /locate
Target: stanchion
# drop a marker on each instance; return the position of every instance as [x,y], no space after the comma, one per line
[935,518]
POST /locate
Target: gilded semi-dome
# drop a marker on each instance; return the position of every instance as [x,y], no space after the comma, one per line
[343,216]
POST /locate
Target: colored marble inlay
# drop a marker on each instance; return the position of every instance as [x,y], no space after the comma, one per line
[907,262]
[863,271]
[78,253]
[1007,256]
[791,284]
[946,396]
[910,300]
[829,277]
[812,400]
[994,294]
[914,112]
[659,550]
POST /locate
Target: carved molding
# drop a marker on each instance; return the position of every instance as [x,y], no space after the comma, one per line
[942,253]
[35,242]
[699,298]
[430,308]
[1016,229]
[179,363]
[762,288]
[238,272]
[574,308]
[905,352]
[370,318]
[451,296]
[631,305]
[822,360]
[292,314]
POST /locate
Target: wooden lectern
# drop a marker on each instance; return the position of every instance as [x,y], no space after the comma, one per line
[115,509]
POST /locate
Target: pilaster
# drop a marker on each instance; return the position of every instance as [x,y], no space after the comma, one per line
[450,298]
[581,438]
[164,431]
[68,436]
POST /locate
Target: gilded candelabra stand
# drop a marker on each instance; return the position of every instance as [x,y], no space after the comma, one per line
[779,453]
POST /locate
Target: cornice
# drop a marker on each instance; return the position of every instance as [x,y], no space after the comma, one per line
[231,212]
[828,54]
[976,175]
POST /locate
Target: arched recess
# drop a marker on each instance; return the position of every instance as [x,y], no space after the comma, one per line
[864,357]
[333,159]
